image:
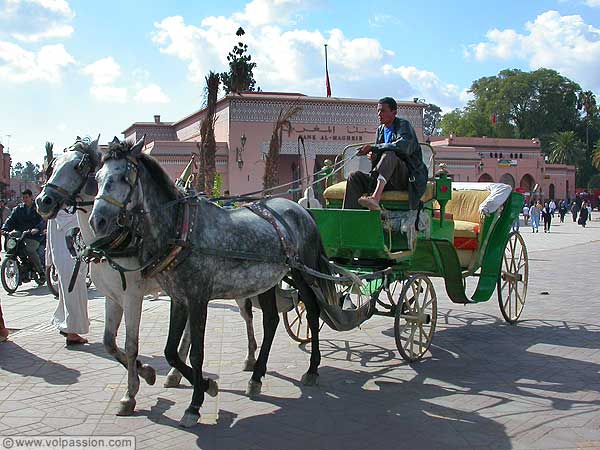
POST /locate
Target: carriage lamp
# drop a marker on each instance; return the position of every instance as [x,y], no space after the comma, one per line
[239,150]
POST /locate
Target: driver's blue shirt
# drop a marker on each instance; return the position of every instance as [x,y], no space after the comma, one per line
[387,134]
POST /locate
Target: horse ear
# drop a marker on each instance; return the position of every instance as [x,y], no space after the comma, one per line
[138,146]
[94,150]
[115,141]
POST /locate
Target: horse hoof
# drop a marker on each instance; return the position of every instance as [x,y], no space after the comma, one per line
[310,379]
[173,380]
[149,374]
[213,388]
[127,407]
[254,388]
[189,419]
[249,365]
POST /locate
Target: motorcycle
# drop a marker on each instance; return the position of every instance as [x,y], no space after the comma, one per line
[16,268]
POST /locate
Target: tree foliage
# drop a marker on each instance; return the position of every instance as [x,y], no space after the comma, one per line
[283,123]
[240,77]
[431,120]
[566,148]
[27,172]
[208,148]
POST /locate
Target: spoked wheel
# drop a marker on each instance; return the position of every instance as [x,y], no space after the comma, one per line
[513,279]
[416,316]
[390,294]
[296,324]
[10,275]
[88,277]
[52,279]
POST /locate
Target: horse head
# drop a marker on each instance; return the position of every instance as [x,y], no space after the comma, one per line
[118,187]
[67,175]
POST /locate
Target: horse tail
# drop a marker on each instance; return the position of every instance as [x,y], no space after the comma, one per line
[327,287]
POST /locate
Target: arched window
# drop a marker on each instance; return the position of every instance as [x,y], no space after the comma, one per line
[507,178]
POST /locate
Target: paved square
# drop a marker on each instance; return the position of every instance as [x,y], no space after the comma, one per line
[486,384]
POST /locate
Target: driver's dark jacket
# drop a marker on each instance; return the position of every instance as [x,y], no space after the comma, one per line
[405,144]
[22,219]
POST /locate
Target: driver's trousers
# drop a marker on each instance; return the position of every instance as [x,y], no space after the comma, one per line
[31,249]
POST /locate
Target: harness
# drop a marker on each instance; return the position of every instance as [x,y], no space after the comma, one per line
[85,169]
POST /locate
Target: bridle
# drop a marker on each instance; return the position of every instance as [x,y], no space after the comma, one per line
[85,169]
[132,180]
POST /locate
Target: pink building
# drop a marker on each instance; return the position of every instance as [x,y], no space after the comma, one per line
[5,163]
[326,124]
[517,162]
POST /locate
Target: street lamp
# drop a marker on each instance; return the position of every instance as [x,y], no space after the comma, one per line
[239,151]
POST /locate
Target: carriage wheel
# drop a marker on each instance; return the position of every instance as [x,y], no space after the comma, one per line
[416,316]
[513,279]
[390,294]
[296,324]
[52,280]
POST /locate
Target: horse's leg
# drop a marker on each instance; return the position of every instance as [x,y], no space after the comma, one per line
[112,320]
[311,377]
[177,321]
[133,313]
[174,376]
[245,306]
[198,311]
[268,305]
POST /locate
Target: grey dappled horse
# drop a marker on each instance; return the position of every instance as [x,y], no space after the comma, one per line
[132,184]
[72,179]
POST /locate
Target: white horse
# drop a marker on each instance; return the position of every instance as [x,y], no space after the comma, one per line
[70,182]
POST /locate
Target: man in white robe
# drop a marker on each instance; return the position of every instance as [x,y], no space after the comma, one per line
[71,315]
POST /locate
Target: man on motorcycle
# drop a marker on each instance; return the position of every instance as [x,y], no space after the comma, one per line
[24,217]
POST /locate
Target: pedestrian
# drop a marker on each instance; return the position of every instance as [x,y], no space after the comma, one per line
[526,214]
[589,208]
[562,210]
[574,211]
[71,315]
[547,217]
[552,206]
[583,215]
[4,212]
[534,213]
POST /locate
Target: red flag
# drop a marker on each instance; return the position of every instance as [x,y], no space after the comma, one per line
[494,119]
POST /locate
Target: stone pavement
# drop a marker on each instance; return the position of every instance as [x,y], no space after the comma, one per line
[486,384]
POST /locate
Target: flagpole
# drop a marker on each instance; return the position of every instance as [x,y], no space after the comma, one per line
[328,86]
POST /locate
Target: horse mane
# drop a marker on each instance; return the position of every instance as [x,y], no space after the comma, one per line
[122,150]
[159,175]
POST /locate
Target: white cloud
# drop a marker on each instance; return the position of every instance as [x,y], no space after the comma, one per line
[104,71]
[36,20]
[62,127]
[380,20]
[593,3]
[426,84]
[151,93]
[18,65]
[109,94]
[290,60]
[564,43]
[263,12]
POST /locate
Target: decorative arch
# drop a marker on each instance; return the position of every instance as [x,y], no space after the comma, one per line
[507,178]
[527,183]
[551,190]
[485,178]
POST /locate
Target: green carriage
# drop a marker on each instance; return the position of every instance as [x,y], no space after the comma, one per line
[464,230]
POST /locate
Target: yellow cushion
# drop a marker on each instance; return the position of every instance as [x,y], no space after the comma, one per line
[465,205]
[463,229]
[337,191]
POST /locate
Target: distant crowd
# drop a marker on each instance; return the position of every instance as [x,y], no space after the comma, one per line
[536,213]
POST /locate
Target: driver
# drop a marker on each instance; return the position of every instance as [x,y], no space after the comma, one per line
[396,163]
[24,217]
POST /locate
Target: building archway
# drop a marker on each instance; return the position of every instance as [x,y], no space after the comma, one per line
[551,192]
[485,178]
[507,178]
[527,183]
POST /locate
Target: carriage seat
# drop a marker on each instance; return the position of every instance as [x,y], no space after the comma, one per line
[335,194]
[464,209]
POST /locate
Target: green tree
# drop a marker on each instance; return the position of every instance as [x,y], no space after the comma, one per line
[31,172]
[566,148]
[17,170]
[431,120]
[594,182]
[596,155]
[283,123]
[240,77]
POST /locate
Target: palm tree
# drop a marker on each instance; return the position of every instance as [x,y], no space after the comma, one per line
[596,155]
[207,134]
[283,123]
[565,148]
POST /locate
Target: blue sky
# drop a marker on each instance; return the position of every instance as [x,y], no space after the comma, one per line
[80,67]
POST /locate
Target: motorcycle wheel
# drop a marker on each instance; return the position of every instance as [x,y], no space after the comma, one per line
[10,275]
